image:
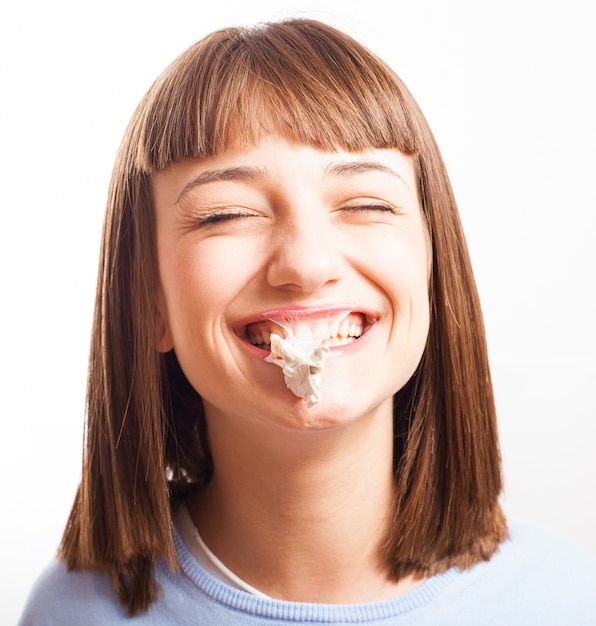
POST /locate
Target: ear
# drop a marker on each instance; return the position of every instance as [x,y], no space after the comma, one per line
[164,336]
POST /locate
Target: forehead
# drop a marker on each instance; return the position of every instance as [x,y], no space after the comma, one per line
[276,159]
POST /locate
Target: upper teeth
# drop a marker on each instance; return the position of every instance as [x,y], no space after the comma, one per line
[350,327]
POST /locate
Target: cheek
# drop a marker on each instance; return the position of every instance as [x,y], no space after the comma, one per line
[407,286]
[401,263]
[199,280]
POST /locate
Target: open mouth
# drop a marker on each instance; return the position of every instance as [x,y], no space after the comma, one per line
[330,334]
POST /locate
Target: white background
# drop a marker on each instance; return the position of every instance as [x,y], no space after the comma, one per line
[508,89]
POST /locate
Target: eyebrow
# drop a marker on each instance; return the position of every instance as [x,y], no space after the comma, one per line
[232,174]
[353,168]
[246,173]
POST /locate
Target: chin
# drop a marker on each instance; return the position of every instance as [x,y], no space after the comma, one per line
[329,414]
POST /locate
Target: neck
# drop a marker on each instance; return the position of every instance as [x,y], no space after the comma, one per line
[302,515]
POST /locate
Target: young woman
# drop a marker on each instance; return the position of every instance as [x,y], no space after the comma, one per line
[290,413]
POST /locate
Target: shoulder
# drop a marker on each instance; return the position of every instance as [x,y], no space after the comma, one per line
[536,577]
[63,597]
[70,598]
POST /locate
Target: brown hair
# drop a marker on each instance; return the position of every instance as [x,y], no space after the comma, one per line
[145,442]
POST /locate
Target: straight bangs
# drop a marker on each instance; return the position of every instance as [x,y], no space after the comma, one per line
[298,79]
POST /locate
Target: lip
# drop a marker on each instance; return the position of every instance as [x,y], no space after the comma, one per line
[303,313]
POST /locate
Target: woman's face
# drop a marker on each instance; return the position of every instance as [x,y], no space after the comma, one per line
[285,229]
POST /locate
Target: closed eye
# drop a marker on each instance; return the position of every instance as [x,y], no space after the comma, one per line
[215,217]
[372,207]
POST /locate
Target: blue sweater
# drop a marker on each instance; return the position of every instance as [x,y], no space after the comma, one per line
[536,578]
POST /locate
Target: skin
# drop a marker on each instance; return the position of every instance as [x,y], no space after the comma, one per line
[300,497]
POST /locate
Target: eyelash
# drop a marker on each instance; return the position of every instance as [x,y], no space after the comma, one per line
[372,207]
[223,216]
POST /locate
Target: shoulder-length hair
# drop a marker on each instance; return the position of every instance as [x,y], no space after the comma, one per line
[146,444]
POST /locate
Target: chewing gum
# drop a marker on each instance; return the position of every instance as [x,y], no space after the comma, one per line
[302,354]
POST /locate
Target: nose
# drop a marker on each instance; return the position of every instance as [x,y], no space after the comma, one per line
[306,254]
